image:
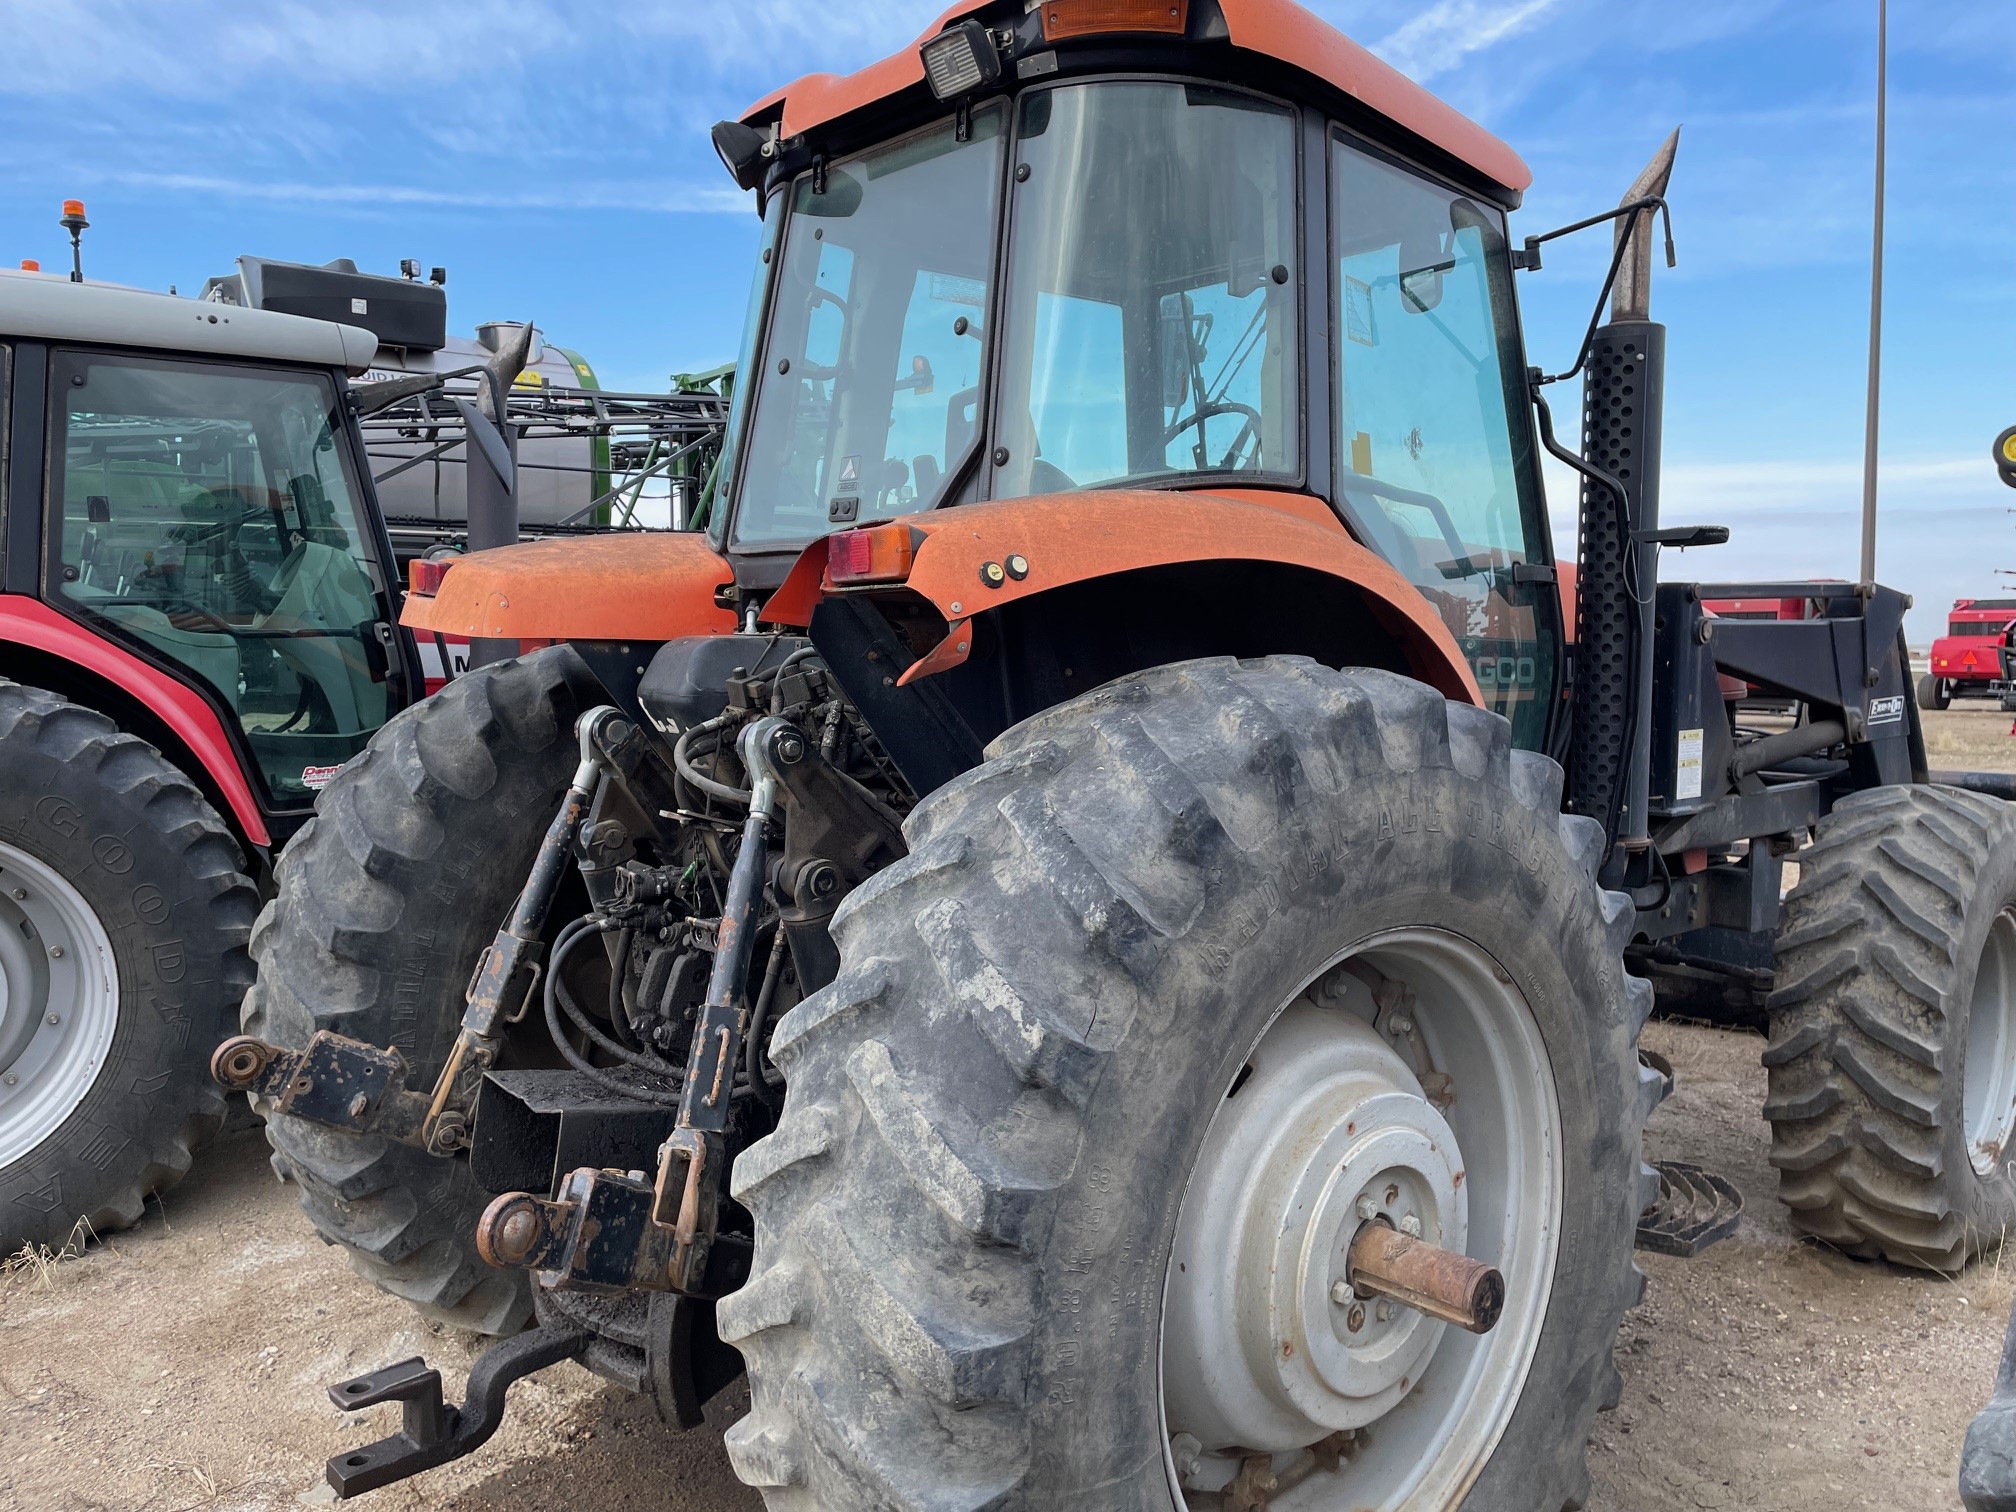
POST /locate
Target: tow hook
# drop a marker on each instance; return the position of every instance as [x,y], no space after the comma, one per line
[435,1432]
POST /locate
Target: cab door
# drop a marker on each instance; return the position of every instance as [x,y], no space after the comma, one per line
[214,517]
[1436,462]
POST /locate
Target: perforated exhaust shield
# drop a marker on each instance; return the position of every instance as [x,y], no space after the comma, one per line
[1622,397]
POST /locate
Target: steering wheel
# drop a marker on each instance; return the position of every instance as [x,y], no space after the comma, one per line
[1249,433]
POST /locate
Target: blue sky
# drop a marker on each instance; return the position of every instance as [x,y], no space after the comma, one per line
[553,157]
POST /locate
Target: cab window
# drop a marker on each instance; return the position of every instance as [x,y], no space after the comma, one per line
[1434,453]
[1151,319]
[205,512]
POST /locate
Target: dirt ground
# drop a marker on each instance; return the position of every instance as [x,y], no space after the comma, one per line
[1973,735]
[181,1366]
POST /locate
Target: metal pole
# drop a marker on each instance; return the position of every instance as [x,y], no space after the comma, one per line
[1875,307]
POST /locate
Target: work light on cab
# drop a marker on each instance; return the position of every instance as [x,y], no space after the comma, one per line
[743,151]
[961,62]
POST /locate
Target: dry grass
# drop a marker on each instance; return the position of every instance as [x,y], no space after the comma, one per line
[1990,1282]
[36,1265]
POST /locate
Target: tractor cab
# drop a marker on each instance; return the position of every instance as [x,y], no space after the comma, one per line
[189,513]
[1069,259]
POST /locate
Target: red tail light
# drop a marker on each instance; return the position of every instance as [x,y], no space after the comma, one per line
[880,554]
[424,575]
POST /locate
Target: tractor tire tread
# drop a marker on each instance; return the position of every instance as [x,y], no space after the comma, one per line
[1863,1059]
[887,1323]
[147,789]
[333,945]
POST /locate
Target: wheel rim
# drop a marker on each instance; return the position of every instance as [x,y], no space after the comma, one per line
[1355,1410]
[1989,1075]
[59,1001]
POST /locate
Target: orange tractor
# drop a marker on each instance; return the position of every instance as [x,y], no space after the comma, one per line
[1054,934]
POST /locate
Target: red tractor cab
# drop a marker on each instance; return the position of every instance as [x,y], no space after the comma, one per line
[198,628]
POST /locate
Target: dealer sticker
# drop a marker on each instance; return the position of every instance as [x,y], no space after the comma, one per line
[1886,710]
[1687,765]
[319,777]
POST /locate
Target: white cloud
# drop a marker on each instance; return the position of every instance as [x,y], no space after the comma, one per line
[1449,31]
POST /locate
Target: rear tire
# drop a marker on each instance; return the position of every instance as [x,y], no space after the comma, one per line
[124,911]
[1934,693]
[966,1217]
[385,900]
[1893,1028]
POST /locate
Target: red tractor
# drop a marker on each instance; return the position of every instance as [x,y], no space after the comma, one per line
[198,628]
[1967,659]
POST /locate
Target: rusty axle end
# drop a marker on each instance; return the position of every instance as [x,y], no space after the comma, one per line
[1417,1274]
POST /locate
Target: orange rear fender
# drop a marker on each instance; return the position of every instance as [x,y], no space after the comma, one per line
[621,586]
[981,556]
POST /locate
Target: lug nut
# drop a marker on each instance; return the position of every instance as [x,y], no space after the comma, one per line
[55,1018]
[1341,1293]
[55,952]
[1411,1226]
[1368,1207]
[9,1079]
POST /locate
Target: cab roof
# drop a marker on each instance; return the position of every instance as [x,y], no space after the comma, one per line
[1278,30]
[49,307]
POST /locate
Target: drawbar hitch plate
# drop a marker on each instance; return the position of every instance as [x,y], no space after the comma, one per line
[435,1432]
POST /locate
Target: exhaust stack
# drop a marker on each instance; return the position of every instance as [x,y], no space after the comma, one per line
[1632,298]
[1623,397]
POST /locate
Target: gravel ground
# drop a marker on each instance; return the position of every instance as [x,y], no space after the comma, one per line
[181,1366]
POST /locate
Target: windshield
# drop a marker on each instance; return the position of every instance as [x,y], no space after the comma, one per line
[868,399]
[1151,325]
[207,513]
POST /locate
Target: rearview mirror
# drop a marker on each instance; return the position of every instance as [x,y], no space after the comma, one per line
[1421,290]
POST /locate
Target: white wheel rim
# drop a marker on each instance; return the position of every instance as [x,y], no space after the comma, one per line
[1256,1356]
[59,1001]
[1988,1077]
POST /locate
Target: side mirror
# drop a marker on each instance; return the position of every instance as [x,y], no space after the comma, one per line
[921,380]
[1421,290]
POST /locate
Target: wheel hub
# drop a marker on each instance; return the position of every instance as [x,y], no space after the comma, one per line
[1988,1075]
[1279,1367]
[59,1001]
[1268,1346]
